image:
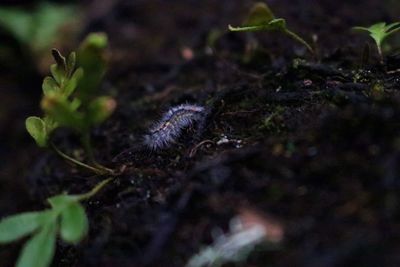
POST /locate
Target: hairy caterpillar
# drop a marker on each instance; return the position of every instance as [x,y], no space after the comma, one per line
[163,133]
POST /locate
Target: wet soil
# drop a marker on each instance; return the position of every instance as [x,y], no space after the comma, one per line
[312,142]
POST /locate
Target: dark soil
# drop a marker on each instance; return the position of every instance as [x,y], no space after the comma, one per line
[313,143]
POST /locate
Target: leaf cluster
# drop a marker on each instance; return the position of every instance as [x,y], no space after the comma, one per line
[379,32]
[66,218]
[69,95]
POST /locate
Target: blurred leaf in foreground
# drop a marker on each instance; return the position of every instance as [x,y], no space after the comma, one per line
[38,30]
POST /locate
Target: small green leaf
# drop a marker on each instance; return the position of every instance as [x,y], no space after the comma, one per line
[18,22]
[359,28]
[71,62]
[49,85]
[37,26]
[50,124]
[100,109]
[48,20]
[392,28]
[278,24]
[39,250]
[58,73]
[60,59]
[74,223]
[259,14]
[246,28]
[60,202]
[379,31]
[72,83]
[63,112]
[91,56]
[59,70]
[37,129]
[18,226]
[273,25]
[261,18]
[97,40]
[75,103]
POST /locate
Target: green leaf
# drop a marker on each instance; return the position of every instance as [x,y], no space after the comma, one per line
[63,112]
[18,22]
[91,57]
[278,24]
[59,70]
[379,31]
[359,28]
[50,124]
[74,223]
[97,40]
[75,103]
[392,28]
[60,202]
[39,250]
[71,62]
[37,129]
[72,83]
[48,19]
[100,109]
[49,86]
[60,59]
[273,25]
[259,14]
[17,226]
[37,28]
[58,73]
[261,18]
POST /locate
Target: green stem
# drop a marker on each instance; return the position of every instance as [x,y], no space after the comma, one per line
[95,190]
[300,40]
[380,53]
[89,151]
[77,162]
[85,139]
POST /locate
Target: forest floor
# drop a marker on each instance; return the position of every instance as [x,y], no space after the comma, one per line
[311,146]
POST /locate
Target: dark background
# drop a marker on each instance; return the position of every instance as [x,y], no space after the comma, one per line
[151,34]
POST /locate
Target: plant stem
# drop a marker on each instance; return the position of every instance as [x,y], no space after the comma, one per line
[85,139]
[94,190]
[77,162]
[380,53]
[300,40]
[89,151]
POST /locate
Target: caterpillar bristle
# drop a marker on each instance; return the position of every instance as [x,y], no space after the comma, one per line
[169,128]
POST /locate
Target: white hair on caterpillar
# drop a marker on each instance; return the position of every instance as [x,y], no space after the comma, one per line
[165,132]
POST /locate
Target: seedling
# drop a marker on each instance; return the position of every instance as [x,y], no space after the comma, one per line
[379,32]
[70,100]
[261,18]
[66,218]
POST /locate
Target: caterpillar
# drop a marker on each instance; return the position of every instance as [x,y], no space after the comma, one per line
[165,132]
